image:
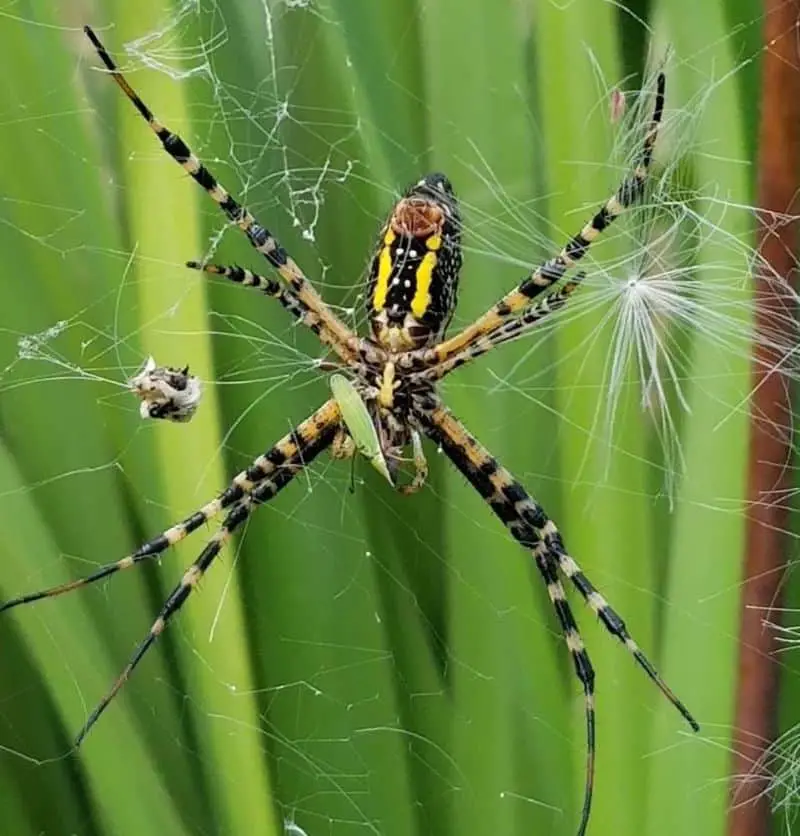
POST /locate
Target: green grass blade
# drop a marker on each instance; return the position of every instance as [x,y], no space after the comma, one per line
[174,321]
[702,588]
[607,535]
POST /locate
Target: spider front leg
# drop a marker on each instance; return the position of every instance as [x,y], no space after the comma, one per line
[263,480]
[528,523]
[629,191]
[509,331]
[269,287]
[395,445]
[345,447]
[340,338]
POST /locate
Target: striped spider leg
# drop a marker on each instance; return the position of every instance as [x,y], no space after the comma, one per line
[269,287]
[554,269]
[529,524]
[331,330]
[264,479]
[512,329]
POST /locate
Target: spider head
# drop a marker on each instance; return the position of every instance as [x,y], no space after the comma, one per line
[414,274]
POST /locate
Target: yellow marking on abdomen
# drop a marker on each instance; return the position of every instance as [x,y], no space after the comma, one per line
[422,292]
[384,272]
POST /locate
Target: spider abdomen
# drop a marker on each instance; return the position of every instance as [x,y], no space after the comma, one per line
[414,274]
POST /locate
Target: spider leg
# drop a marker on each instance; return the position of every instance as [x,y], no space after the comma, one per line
[482,471]
[305,449]
[420,466]
[528,522]
[288,299]
[553,270]
[175,601]
[295,444]
[607,615]
[341,339]
[510,330]
[583,667]
[530,526]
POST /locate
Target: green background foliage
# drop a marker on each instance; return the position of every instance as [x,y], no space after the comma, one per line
[377,664]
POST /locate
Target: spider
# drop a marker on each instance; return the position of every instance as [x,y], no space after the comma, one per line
[412,285]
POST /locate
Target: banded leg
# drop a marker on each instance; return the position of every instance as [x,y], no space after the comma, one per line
[528,523]
[554,269]
[530,526]
[583,667]
[607,615]
[420,467]
[510,330]
[292,445]
[482,473]
[268,486]
[288,299]
[340,338]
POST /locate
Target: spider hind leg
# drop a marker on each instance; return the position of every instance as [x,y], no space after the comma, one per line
[263,480]
[610,619]
[529,524]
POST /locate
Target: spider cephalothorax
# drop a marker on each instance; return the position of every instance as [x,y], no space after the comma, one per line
[388,391]
[413,278]
[391,387]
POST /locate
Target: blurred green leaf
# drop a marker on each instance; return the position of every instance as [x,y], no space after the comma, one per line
[355,662]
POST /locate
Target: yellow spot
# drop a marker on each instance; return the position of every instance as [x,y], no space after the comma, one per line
[549,530]
[614,207]
[589,233]
[422,294]
[384,272]
[218,194]
[212,508]
[568,566]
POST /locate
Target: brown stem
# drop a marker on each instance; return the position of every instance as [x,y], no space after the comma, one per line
[779,153]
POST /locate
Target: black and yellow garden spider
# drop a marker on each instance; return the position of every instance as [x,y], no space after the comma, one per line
[413,279]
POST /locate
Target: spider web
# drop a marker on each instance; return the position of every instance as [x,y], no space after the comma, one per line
[343,651]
